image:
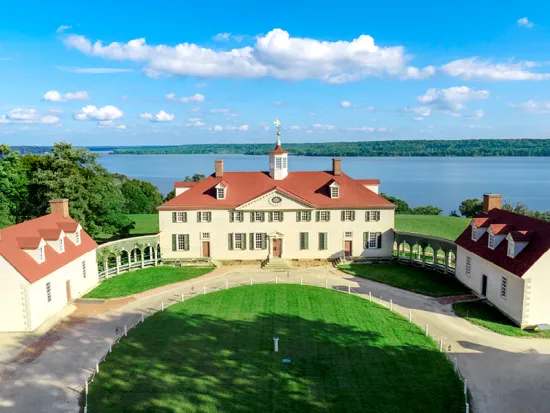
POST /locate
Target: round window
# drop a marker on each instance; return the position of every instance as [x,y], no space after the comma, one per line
[276,200]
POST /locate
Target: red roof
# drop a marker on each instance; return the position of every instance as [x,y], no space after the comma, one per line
[278,150]
[536,231]
[27,235]
[309,187]
[368,181]
[481,222]
[184,184]
[500,229]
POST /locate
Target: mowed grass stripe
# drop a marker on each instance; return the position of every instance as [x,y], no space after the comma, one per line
[214,353]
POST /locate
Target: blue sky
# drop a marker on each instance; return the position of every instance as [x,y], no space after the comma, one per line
[133,73]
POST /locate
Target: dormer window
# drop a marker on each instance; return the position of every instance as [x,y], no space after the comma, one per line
[41,256]
[511,248]
[474,233]
[334,190]
[77,237]
[220,190]
[61,245]
[491,240]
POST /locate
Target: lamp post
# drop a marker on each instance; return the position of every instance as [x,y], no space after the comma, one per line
[276,344]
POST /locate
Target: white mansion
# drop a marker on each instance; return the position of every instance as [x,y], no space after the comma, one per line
[293,215]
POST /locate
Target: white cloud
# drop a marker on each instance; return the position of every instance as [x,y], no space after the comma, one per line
[98,114]
[225,37]
[419,118]
[94,70]
[309,131]
[217,128]
[532,106]
[325,127]
[475,69]
[277,103]
[162,116]
[55,110]
[345,104]
[311,113]
[451,100]
[27,116]
[294,127]
[61,29]
[423,111]
[219,110]
[195,109]
[276,55]
[476,114]
[194,122]
[109,124]
[55,96]
[197,97]
[230,128]
[479,127]
[368,129]
[524,22]
[120,126]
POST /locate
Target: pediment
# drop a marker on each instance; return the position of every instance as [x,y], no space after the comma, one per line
[275,200]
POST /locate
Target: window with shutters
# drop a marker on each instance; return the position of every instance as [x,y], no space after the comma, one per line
[324,215]
[181,242]
[277,216]
[348,215]
[238,241]
[49,291]
[468,266]
[372,215]
[236,216]
[181,216]
[303,215]
[206,216]
[77,237]
[503,287]
[373,239]
[258,240]
[304,240]
[83,269]
[258,216]
[323,241]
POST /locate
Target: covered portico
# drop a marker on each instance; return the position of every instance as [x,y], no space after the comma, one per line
[275,245]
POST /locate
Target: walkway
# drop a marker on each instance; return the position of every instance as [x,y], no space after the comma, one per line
[505,374]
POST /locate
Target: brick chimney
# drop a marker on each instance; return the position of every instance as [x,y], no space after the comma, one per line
[219,168]
[336,166]
[61,206]
[491,201]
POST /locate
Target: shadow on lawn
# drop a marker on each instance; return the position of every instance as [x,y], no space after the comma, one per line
[184,362]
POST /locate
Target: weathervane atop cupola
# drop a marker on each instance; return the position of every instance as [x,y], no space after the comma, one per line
[278,157]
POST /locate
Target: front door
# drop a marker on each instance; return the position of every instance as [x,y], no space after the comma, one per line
[68,285]
[484,286]
[206,248]
[277,247]
[347,248]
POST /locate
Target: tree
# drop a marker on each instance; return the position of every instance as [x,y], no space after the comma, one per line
[170,195]
[453,213]
[13,187]
[470,208]
[402,206]
[194,178]
[141,197]
[518,208]
[425,210]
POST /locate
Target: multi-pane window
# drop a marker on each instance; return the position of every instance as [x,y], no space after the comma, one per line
[236,216]
[323,240]
[257,216]
[277,216]
[324,215]
[83,269]
[303,216]
[491,241]
[220,192]
[61,245]
[181,241]
[373,239]
[334,192]
[49,291]
[205,236]
[511,248]
[348,234]
[181,216]
[468,266]
[284,162]
[348,215]
[503,286]
[474,233]
[238,241]
[258,240]
[204,216]
[372,215]
[304,240]
[77,237]
[278,163]
[41,254]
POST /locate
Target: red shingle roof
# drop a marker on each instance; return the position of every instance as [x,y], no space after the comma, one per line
[368,181]
[536,231]
[27,235]
[278,150]
[310,187]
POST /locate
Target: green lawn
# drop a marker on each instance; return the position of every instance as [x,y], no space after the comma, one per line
[145,224]
[214,353]
[142,280]
[483,315]
[436,225]
[418,280]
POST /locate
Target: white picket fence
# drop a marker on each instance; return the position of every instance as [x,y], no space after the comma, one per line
[208,288]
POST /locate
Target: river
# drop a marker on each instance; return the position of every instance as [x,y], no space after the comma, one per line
[443,182]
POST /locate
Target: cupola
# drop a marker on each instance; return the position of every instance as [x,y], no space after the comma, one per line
[278,158]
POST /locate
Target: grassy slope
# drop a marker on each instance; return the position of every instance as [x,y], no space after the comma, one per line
[437,225]
[479,313]
[214,353]
[414,279]
[142,280]
[145,224]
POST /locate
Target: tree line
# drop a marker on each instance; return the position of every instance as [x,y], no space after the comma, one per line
[99,200]
[466,147]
